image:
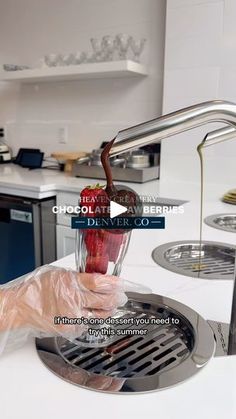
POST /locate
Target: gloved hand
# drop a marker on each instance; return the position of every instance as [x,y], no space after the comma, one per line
[29,305]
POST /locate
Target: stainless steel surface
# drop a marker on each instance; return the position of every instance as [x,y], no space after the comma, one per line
[183,257]
[226,222]
[165,202]
[232,326]
[44,221]
[35,237]
[119,173]
[167,355]
[36,210]
[118,162]
[221,333]
[174,123]
[93,159]
[83,160]
[219,136]
[48,231]
[138,159]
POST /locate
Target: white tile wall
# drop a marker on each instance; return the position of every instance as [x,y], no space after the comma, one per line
[176,4]
[184,87]
[200,65]
[93,110]
[199,19]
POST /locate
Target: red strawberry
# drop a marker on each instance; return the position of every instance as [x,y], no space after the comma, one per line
[97,264]
[89,197]
[102,205]
[95,244]
[114,242]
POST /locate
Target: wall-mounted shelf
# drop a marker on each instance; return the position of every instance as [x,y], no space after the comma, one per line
[109,69]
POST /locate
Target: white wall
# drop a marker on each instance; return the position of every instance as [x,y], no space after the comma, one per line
[93,110]
[200,65]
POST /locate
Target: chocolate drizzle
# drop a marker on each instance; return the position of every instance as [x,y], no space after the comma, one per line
[110,188]
[125,196]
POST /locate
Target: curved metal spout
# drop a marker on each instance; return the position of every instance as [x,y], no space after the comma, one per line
[174,123]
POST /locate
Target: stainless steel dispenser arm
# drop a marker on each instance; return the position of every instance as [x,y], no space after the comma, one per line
[175,123]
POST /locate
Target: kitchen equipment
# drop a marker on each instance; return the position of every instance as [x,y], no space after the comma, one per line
[177,122]
[29,158]
[5,154]
[21,151]
[225,222]
[138,159]
[94,158]
[68,158]
[174,123]
[119,173]
[134,166]
[27,235]
[183,257]
[154,151]
[165,356]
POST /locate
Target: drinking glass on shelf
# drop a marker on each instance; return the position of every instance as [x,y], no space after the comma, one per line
[137,47]
[108,47]
[51,60]
[122,44]
[103,252]
[68,59]
[97,49]
[80,57]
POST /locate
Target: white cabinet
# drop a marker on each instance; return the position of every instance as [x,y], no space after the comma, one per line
[65,241]
[65,234]
[67,199]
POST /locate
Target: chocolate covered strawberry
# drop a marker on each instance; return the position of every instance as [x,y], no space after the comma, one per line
[124,196]
[93,197]
[95,244]
[113,241]
[97,264]
[96,200]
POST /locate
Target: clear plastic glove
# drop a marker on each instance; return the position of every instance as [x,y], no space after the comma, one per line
[28,306]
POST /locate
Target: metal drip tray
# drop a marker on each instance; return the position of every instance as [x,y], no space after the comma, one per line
[226,222]
[167,355]
[214,260]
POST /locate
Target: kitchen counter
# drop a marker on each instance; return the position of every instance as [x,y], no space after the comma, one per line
[44,183]
[29,390]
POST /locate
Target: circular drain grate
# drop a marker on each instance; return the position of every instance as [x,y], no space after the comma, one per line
[168,354]
[214,260]
[226,222]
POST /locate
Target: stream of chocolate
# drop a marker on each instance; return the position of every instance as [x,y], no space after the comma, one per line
[124,196]
[110,187]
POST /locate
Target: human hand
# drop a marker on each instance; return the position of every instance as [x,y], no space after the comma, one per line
[31,304]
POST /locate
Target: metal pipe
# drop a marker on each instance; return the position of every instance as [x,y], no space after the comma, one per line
[175,123]
[219,136]
[212,138]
